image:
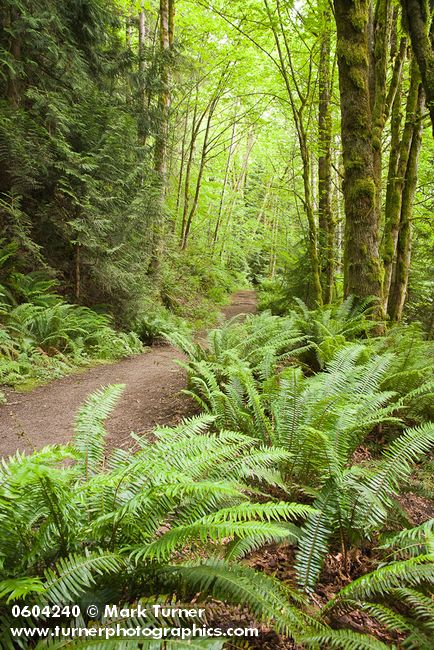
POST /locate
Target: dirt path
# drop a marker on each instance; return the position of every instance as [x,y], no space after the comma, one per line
[153,381]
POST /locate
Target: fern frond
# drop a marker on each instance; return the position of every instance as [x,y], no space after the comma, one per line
[408,573]
[89,431]
[72,576]
[343,639]
[313,542]
[265,597]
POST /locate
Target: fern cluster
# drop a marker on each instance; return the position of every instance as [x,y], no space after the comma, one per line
[253,377]
[398,594]
[147,525]
[42,336]
[176,519]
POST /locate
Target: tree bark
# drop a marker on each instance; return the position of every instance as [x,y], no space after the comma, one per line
[167,11]
[362,267]
[182,161]
[225,182]
[239,185]
[397,175]
[379,48]
[326,222]
[297,112]
[142,130]
[14,81]
[195,125]
[199,176]
[418,17]
[399,288]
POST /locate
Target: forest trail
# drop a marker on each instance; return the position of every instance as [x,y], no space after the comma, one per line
[152,396]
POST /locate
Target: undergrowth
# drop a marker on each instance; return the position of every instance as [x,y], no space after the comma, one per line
[311,431]
[320,385]
[42,336]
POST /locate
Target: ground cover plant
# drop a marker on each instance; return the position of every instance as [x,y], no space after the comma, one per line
[42,336]
[124,527]
[260,377]
[170,520]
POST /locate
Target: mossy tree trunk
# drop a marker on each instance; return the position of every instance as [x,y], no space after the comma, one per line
[380,27]
[189,221]
[401,143]
[225,182]
[326,221]
[362,267]
[166,32]
[142,75]
[418,17]
[167,12]
[398,292]
[182,162]
[195,126]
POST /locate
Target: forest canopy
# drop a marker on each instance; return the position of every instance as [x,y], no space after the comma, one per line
[288,143]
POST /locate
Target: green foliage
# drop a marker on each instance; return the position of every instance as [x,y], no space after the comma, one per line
[398,593]
[411,370]
[329,328]
[75,174]
[42,336]
[289,403]
[354,503]
[125,527]
[262,342]
[241,379]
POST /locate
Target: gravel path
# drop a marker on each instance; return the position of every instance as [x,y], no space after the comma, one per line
[152,396]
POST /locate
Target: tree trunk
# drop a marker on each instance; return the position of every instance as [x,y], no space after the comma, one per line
[418,17]
[310,214]
[326,223]
[128,40]
[143,94]
[398,162]
[77,274]
[199,176]
[289,78]
[194,133]
[362,268]
[14,81]
[167,10]
[239,185]
[182,161]
[398,292]
[378,59]
[225,182]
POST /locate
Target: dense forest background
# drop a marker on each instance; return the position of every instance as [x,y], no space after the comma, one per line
[152,154]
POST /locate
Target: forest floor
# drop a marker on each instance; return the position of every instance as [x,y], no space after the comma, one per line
[153,382]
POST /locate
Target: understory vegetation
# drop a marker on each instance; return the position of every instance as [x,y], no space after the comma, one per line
[285,455]
[42,336]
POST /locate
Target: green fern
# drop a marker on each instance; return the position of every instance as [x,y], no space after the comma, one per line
[89,428]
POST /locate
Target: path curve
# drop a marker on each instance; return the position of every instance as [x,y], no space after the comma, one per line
[152,396]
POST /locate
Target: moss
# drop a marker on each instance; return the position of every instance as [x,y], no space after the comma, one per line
[389,251]
[375,271]
[362,187]
[376,142]
[354,163]
[358,15]
[353,53]
[358,78]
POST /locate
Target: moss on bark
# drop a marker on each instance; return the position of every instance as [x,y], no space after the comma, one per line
[362,265]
